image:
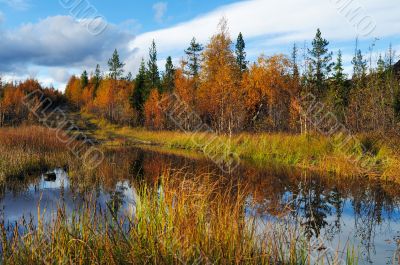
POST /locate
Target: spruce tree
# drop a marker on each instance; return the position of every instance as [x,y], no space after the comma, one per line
[240,53]
[84,79]
[140,92]
[129,77]
[339,80]
[116,67]
[153,75]
[359,65]
[390,57]
[295,66]
[193,53]
[96,79]
[320,59]
[381,65]
[339,76]
[169,76]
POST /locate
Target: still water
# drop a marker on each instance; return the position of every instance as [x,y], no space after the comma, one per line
[360,212]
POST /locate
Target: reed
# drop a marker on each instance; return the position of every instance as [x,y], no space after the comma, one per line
[192,220]
[30,150]
[362,155]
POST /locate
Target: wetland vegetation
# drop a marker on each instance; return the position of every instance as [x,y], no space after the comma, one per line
[217,161]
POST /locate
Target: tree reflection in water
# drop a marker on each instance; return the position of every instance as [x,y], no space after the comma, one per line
[324,206]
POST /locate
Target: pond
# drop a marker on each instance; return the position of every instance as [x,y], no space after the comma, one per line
[362,212]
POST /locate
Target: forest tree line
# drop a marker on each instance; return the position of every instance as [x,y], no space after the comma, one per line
[230,94]
[14,97]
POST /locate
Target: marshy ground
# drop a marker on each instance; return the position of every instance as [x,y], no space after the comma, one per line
[181,207]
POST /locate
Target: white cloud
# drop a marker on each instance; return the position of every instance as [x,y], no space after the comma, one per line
[58,46]
[59,41]
[160,9]
[60,74]
[275,23]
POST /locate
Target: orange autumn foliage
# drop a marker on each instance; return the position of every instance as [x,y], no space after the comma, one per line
[73,91]
[87,95]
[223,96]
[219,95]
[13,101]
[112,101]
[154,117]
[269,92]
[184,87]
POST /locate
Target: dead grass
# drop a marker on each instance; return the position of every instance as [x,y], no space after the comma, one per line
[186,220]
[29,150]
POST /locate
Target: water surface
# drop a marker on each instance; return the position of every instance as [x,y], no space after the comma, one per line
[361,212]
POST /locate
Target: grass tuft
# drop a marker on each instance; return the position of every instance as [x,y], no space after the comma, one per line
[184,220]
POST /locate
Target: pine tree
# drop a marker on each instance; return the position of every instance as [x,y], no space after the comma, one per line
[115,66]
[193,54]
[169,75]
[320,59]
[140,92]
[240,53]
[153,75]
[84,79]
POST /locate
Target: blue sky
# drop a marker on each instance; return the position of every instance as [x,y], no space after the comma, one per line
[52,39]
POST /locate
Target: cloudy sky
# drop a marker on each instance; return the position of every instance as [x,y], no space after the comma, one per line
[53,39]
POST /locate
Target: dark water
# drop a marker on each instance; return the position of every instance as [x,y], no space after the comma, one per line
[360,212]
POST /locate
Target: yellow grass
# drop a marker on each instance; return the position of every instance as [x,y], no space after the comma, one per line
[363,155]
[29,150]
[186,220]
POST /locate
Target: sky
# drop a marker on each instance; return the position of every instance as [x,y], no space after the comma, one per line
[50,40]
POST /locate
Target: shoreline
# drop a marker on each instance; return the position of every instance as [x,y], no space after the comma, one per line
[304,152]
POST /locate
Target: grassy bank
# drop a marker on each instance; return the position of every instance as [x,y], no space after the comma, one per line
[30,150]
[365,155]
[191,221]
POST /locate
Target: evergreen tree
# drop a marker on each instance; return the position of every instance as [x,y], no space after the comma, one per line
[320,59]
[381,65]
[153,75]
[295,66]
[339,80]
[140,92]
[97,78]
[240,53]
[339,76]
[193,53]
[116,66]
[359,65]
[129,77]
[169,75]
[84,79]
[390,57]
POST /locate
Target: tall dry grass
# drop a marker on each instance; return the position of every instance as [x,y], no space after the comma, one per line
[182,221]
[32,139]
[30,149]
[365,155]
